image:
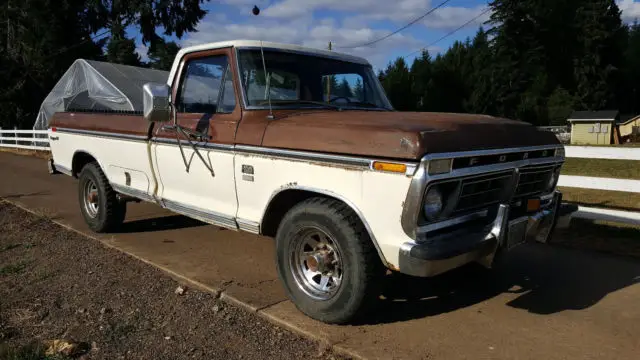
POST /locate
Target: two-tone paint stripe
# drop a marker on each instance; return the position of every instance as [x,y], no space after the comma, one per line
[350,161]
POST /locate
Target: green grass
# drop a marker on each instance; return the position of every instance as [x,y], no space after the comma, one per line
[10,247]
[13,268]
[608,168]
[602,198]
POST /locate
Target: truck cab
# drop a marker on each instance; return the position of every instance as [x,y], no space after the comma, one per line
[302,145]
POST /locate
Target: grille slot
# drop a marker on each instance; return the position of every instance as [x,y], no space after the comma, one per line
[481,192]
[533,181]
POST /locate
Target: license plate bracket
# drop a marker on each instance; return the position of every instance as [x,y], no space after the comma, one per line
[516,233]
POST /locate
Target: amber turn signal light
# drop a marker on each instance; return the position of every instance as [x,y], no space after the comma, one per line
[391,167]
[533,204]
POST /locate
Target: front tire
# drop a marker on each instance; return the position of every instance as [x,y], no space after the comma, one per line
[99,205]
[327,262]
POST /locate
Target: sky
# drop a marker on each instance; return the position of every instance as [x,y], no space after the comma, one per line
[346,23]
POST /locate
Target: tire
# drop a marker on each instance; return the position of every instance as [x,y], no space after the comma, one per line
[105,213]
[360,270]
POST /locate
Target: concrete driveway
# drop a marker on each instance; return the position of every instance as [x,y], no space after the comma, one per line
[549,303]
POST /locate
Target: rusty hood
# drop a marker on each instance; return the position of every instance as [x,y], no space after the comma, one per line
[399,135]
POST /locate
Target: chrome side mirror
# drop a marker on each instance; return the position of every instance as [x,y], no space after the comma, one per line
[156,104]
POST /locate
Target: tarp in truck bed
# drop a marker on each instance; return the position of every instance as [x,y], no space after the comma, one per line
[99,86]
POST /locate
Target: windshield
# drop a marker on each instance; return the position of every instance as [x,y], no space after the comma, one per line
[300,80]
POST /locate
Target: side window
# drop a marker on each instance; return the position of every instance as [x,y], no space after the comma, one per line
[202,86]
[342,86]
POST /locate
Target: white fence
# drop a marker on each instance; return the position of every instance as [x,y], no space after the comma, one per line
[25,139]
[38,140]
[598,183]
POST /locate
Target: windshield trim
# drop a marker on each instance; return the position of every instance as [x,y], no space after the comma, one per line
[243,94]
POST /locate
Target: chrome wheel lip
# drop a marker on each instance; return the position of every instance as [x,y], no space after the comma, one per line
[318,282]
[91,198]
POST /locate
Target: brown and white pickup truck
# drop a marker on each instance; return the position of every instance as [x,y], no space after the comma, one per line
[302,145]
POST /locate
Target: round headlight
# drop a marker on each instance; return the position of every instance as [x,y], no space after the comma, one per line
[432,204]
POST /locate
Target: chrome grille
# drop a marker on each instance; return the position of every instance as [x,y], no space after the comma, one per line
[483,191]
[533,181]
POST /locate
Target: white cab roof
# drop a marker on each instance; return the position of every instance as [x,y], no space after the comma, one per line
[265,44]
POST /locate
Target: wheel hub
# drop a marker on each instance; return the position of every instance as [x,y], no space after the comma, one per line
[321,261]
[316,263]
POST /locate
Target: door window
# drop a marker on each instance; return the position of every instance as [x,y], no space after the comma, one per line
[207,86]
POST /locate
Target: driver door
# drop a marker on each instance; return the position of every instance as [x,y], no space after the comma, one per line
[194,160]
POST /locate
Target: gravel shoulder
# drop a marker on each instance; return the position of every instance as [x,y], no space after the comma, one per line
[57,285]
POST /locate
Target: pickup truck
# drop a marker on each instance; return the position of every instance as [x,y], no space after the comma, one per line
[302,145]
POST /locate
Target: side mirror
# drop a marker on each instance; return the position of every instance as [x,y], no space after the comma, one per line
[155,100]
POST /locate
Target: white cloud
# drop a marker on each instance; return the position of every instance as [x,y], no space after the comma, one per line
[142,50]
[630,10]
[306,31]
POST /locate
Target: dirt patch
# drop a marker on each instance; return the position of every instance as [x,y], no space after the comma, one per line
[56,284]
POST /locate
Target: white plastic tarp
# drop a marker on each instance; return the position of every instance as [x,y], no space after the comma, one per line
[98,86]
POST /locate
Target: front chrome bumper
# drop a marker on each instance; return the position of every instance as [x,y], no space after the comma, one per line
[463,246]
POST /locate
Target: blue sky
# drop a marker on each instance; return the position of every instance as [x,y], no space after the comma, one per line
[348,22]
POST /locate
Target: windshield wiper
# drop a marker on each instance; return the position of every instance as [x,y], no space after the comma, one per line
[320,103]
[367,104]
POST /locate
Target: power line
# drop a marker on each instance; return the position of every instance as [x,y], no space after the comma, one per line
[78,44]
[398,30]
[450,33]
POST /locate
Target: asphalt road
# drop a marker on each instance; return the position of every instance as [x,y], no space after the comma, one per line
[548,303]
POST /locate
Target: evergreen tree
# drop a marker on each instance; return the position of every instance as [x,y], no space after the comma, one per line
[397,84]
[600,54]
[358,90]
[39,40]
[161,54]
[121,50]
[345,89]
[420,77]
[518,82]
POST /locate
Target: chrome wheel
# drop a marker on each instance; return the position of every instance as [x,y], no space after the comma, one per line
[91,198]
[316,263]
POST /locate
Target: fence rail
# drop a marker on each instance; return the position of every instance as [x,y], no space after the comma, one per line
[24,139]
[39,140]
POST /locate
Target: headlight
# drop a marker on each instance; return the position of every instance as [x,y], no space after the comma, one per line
[552,180]
[432,204]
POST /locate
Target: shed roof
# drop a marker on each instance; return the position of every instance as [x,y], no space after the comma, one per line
[604,115]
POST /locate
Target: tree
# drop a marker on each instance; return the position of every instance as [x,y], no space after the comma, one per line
[358,90]
[519,56]
[397,84]
[344,89]
[560,105]
[420,77]
[161,54]
[38,42]
[175,17]
[121,50]
[600,54]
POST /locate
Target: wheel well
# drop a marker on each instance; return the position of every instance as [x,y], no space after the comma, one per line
[279,206]
[80,159]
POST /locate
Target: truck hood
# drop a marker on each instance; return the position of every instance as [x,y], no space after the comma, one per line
[399,135]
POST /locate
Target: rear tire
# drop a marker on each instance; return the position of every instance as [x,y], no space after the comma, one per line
[325,237]
[99,204]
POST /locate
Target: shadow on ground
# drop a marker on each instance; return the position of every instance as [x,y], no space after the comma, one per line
[545,279]
[171,222]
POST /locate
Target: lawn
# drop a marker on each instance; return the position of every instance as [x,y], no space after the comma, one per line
[608,168]
[601,198]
